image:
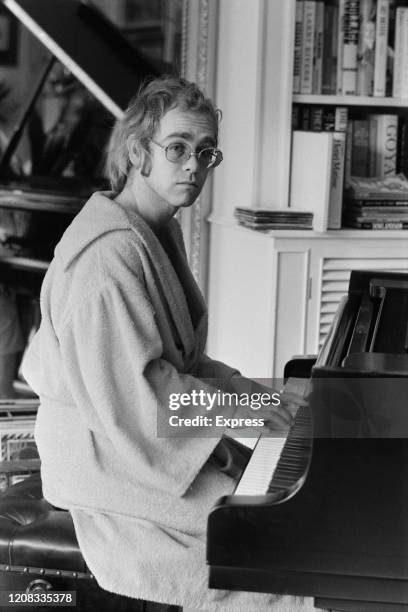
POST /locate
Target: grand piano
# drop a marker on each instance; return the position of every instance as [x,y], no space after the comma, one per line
[324,513]
[111,70]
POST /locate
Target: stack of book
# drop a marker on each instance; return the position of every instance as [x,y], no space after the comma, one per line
[274,218]
[346,47]
[377,204]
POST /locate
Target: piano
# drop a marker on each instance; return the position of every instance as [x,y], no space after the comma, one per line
[107,67]
[324,513]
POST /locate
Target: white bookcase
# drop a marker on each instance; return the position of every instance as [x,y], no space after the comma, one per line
[272,295]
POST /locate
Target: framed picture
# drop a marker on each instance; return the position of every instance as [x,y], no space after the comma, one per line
[8,37]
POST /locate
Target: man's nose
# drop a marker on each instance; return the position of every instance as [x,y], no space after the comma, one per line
[192,163]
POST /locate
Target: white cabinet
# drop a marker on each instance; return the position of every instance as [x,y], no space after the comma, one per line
[274,294]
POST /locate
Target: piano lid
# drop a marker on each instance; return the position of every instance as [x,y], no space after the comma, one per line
[92,48]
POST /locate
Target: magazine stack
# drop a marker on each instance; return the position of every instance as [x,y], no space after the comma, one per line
[274,218]
[377,204]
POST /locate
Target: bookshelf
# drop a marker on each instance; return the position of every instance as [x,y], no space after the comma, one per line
[380,102]
[272,295]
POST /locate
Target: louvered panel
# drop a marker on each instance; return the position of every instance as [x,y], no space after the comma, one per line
[335,281]
[332,296]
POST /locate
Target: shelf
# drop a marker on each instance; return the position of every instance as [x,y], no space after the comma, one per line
[351,101]
[344,233]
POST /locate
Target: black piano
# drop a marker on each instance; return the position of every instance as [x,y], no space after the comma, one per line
[108,67]
[327,516]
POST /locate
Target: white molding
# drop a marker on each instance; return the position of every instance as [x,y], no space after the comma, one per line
[198,65]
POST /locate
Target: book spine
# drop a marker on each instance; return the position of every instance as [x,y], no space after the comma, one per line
[398,52]
[295,117]
[335,118]
[297,56]
[387,213]
[341,119]
[337,179]
[316,118]
[306,68]
[366,49]
[350,47]
[386,149]
[390,48]
[349,152]
[318,49]
[381,47]
[305,118]
[340,43]
[402,156]
[376,225]
[360,148]
[404,54]
[372,145]
[377,203]
[330,34]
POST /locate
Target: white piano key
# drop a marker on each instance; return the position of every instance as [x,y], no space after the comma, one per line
[257,475]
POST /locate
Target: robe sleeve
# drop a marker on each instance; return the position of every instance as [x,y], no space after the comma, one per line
[212,368]
[112,361]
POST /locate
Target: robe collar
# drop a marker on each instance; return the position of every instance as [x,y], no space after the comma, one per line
[101,215]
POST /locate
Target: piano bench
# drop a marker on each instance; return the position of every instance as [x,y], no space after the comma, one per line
[39,553]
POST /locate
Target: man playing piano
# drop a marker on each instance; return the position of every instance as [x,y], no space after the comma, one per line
[123,326]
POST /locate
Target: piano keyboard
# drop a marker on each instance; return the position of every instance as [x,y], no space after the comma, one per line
[278,463]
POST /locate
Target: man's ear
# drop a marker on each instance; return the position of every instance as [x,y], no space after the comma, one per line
[134,151]
[138,157]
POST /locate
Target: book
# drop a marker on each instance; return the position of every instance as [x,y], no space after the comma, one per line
[360,148]
[368,188]
[370,203]
[308,32]
[316,118]
[376,225]
[350,46]
[384,213]
[349,148]
[318,49]
[386,144]
[337,180]
[366,48]
[295,116]
[335,118]
[402,145]
[372,145]
[340,43]
[311,168]
[381,47]
[297,57]
[330,44]
[400,76]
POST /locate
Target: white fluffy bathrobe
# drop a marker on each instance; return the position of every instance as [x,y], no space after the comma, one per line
[116,335]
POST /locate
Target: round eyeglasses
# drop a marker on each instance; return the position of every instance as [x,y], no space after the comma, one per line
[180,152]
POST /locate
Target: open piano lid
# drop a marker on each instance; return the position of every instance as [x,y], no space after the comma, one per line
[93,49]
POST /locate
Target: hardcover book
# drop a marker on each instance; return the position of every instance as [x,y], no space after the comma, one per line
[381,47]
[350,46]
[297,58]
[366,48]
[308,33]
[330,47]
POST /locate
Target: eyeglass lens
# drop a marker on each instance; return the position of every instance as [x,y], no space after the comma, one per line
[180,152]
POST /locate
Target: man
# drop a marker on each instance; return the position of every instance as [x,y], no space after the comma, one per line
[123,327]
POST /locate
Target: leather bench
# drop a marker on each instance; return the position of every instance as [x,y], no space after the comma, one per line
[39,553]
